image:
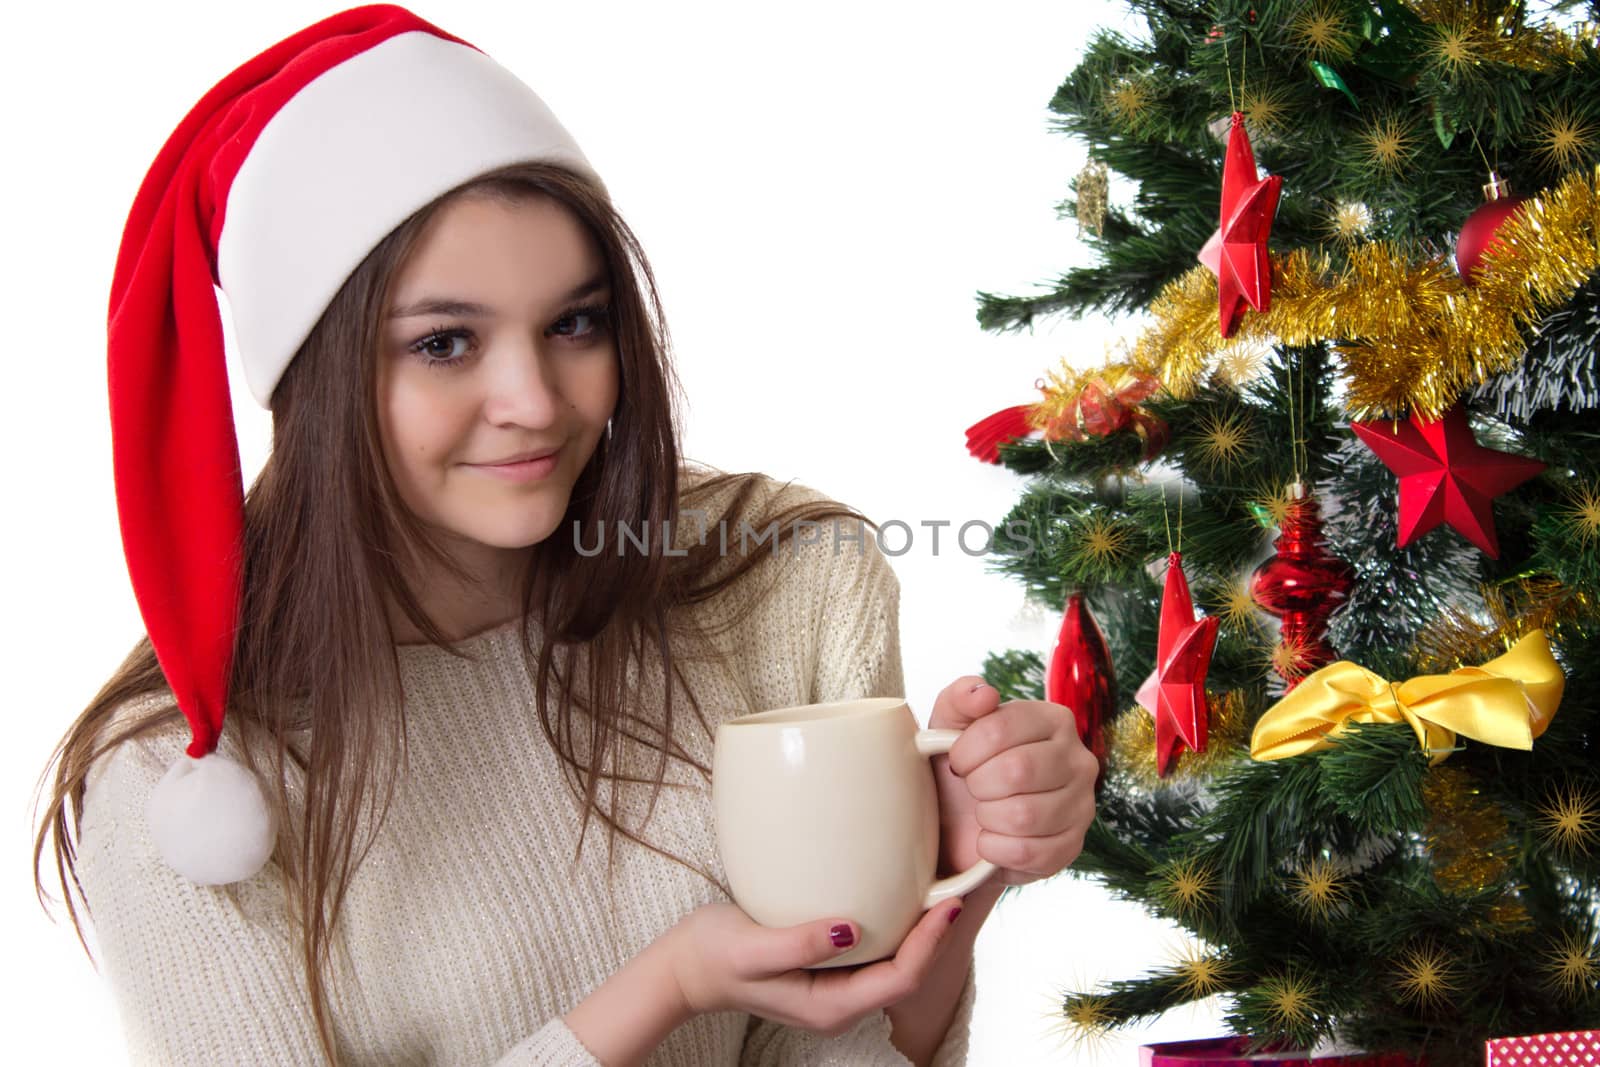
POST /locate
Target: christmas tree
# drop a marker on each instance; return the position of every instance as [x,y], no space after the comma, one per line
[1325,534]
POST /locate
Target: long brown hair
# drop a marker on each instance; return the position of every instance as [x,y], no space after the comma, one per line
[314,688]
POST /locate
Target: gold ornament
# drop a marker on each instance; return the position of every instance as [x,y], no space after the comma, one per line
[1414,336]
[1319,888]
[1580,518]
[1237,609]
[1241,363]
[1454,49]
[1563,140]
[1094,188]
[1273,500]
[1569,818]
[1223,440]
[1323,32]
[1468,836]
[1201,974]
[1390,142]
[1289,999]
[1187,886]
[1100,542]
[1086,1019]
[1424,975]
[1266,110]
[1290,657]
[1128,101]
[1350,221]
[1572,968]
[1492,35]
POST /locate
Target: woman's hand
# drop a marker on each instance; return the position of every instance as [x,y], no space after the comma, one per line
[1017,789]
[724,961]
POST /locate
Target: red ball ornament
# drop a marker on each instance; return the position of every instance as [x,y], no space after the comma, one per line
[1303,584]
[1081,678]
[1478,233]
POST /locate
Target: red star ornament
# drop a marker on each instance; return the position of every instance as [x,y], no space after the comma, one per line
[1237,252]
[1445,475]
[1183,655]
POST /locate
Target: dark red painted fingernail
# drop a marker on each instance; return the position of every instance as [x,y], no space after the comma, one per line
[955,913]
[842,935]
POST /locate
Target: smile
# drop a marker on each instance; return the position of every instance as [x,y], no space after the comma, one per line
[530,470]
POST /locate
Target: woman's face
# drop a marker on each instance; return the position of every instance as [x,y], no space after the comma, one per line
[496,347]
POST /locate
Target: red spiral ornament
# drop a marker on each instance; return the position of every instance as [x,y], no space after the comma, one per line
[1302,584]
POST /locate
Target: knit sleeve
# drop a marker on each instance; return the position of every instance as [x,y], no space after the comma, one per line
[552,1045]
[858,599]
[769,1044]
[858,655]
[205,975]
[200,974]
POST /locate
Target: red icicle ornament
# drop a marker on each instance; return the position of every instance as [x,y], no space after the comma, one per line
[1081,678]
[1302,584]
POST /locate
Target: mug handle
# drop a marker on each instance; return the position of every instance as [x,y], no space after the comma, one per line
[937,743]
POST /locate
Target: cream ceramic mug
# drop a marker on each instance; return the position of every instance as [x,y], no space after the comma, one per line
[828,810]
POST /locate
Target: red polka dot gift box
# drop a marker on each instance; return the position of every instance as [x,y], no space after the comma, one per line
[1574,1048]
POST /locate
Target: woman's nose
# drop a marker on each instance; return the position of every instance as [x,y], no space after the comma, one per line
[521,386]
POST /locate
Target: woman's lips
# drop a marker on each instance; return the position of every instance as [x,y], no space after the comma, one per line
[530,470]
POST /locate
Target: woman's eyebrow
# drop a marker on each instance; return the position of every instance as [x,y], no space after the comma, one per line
[437,305]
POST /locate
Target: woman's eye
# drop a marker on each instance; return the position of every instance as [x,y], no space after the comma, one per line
[591,319]
[443,347]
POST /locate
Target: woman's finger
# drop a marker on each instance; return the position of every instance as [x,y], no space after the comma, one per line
[1039,856]
[1012,725]
[1031,814]
[880,984]
[774,951]
[1027,768]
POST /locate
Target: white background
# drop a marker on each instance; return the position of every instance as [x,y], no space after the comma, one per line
[822,190]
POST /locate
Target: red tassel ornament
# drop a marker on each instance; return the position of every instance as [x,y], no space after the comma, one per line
[985,436]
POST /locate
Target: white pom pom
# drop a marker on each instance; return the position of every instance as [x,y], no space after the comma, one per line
[210,821]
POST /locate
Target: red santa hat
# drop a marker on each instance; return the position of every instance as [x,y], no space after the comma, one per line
[274,187]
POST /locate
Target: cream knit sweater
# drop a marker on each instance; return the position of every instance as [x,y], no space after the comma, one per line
[468,930]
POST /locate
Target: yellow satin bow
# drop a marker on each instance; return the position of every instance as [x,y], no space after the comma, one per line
[1506,702]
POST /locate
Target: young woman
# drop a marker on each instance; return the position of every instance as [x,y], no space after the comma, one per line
[473,602]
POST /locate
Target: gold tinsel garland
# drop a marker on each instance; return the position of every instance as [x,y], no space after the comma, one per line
[1131,743]
[1469,838]
[1457,637]
[1410,337]
[1485,37]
